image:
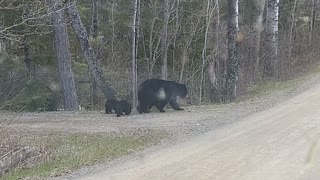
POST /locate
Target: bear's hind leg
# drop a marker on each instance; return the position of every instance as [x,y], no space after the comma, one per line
[128,110]
[119,109]
[139,108]
[108,110]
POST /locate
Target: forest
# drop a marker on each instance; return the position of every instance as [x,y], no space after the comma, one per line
[73,55]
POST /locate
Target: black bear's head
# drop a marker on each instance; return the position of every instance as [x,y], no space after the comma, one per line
[183,91]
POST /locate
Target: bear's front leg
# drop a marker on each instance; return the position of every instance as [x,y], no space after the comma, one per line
[161,105]
[174,104]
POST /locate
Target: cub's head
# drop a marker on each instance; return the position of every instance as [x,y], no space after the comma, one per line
[128,110]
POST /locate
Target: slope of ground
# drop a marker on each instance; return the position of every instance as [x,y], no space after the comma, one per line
[279,143]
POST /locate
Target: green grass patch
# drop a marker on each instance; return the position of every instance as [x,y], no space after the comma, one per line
[269,86]
[69,152]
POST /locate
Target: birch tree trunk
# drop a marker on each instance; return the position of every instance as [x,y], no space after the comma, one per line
[164,39]
[88,51]
[61,44]
[213,69]
[134,51]
[258,29]
[233,50]
[272,61]
[184,59]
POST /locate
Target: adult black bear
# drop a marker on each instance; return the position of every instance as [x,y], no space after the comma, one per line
[111,105]
[123,106]
[159,93]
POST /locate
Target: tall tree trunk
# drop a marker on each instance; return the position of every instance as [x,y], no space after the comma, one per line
[213,69]
[233,50]
[204,50]
[94,35]
[27,58]
[61,44]
[88,51]
[258,29]
[272,60]
[134,51]
[215,91]
[164,38]
[184,59]
[177,28]
[94,19]
[2,47]
[313,15]
[113,30]
[293,20]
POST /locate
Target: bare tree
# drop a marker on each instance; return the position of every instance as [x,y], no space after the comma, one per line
[88,51]
[16,30]
[272,59]
[61,44]
[154,41]
[134,51]
[233,50]
[188,37]
[164,40]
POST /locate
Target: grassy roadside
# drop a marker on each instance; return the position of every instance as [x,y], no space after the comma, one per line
[270,86]
[71,151]
[267,87]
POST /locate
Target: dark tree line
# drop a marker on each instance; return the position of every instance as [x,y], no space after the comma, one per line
[106,48]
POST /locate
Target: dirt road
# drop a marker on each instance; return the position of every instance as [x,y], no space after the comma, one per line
[279,143]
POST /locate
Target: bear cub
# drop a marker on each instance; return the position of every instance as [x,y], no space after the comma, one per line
[123,106]
[111,105]
[118,107]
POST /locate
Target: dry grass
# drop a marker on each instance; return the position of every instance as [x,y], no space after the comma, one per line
[59,154]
